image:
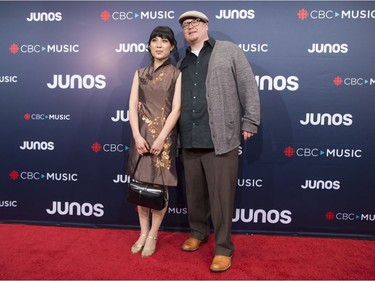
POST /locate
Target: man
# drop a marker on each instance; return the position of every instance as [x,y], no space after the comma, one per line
[219,100]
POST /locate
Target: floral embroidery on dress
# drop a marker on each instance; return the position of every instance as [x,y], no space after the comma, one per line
[151,78]
[163,160]
[142,81]
[152,125]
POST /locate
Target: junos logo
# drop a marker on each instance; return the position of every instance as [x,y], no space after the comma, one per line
[77,81]
[120,116]
[263,216]
[323,119]
[278,83]
[321,184]
[132,48]
[37,145]
[122,179]
[236,14]
[328,48]
[77,209]
[45,16]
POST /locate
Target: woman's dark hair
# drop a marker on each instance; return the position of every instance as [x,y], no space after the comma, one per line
[164,32]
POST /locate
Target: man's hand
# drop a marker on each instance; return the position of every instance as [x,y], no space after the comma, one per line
[247,135]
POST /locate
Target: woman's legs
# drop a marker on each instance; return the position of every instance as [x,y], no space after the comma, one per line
[157,219]
[144,222]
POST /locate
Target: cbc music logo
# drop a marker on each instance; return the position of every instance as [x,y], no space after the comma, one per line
[8,204]
[44,16]
[43,176]
[304,14]
[8,79]
[327,119]
[289,152]
[349,216]
[236,14]
[120,116]
[250,183]
[106,15]
[76,209]
[14,48]
[253,47]
[77,81]
[46,117]
[177,211]
[108,147]
[262,216]
[277,83]
[352,81]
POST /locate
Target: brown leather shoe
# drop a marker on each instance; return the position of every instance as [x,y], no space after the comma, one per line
[192,244]
[221,263]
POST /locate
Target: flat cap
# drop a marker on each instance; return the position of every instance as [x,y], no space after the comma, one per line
[192,15]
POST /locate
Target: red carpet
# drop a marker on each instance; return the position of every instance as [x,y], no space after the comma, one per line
[61,253]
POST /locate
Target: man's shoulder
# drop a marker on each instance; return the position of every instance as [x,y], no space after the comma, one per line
[227,47]
[225,44]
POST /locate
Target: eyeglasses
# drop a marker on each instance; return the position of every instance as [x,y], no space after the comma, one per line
[193,23]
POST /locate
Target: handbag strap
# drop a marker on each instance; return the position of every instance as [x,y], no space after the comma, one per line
[136,166]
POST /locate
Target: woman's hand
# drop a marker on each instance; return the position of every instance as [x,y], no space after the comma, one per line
[141,145]
[157,146]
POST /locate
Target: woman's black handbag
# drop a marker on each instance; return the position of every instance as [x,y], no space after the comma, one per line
[146,194]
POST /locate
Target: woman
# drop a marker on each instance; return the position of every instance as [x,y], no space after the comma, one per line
[154,108]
